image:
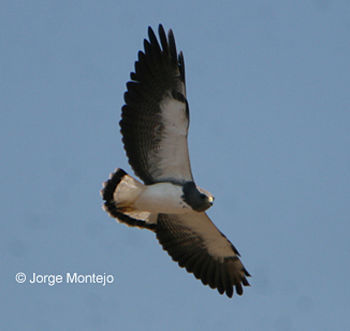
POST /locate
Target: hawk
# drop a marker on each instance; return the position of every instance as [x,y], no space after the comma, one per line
[154,125]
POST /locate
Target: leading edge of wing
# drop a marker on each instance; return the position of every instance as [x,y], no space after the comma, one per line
[155,117]
[196,244]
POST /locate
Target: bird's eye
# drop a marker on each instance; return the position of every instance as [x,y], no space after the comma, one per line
[203,196]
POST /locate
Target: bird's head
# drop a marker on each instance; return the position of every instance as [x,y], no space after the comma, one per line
[196,197]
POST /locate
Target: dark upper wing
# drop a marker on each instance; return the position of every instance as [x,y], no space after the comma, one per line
[155,117]
[195,243]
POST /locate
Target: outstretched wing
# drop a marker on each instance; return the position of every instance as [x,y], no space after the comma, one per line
[195,243]
[155,116]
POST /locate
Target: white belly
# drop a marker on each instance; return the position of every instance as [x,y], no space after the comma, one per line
[162,198]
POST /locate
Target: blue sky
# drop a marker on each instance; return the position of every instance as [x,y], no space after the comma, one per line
[268,88]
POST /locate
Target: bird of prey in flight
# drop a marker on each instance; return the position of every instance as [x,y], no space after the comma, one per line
[154,125]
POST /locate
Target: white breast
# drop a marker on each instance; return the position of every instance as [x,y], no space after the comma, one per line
[162,198]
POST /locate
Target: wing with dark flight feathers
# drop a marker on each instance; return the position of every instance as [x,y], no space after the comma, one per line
[195,243]
[155,116]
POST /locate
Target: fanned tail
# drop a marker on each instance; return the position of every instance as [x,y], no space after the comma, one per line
[119,192]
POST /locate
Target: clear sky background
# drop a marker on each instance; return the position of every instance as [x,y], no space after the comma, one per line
[268,87]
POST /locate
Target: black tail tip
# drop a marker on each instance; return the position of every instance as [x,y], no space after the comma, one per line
[110,185]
